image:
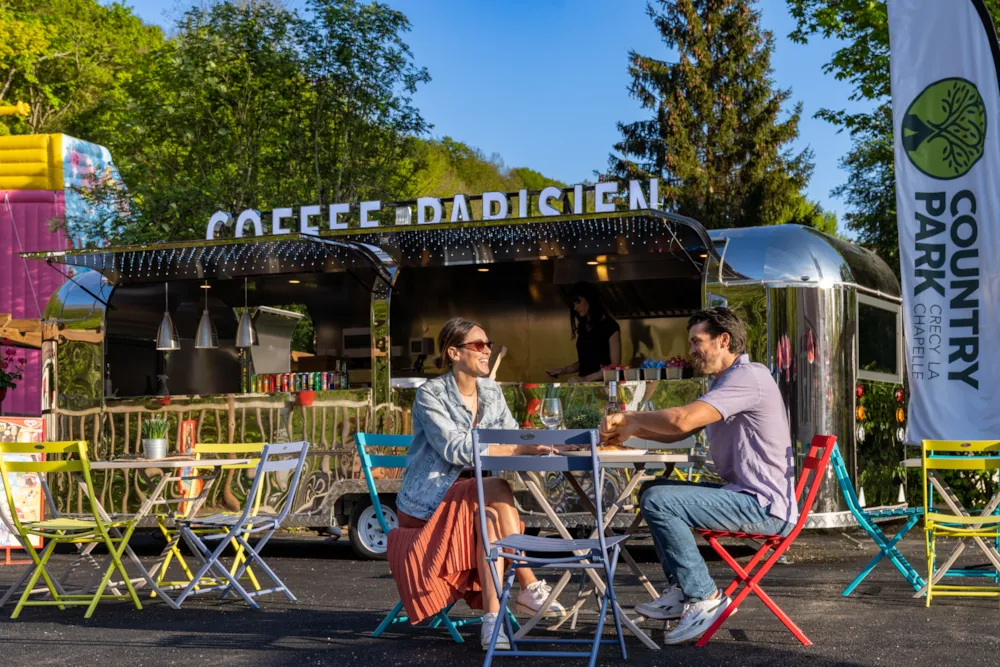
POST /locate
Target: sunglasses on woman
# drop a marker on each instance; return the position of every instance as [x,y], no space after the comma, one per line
[478,345]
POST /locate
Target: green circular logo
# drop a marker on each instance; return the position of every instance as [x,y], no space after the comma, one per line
[944,130]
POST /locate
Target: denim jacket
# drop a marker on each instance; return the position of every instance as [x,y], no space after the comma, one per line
[442,440]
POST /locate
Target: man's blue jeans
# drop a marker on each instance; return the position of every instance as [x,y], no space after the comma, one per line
[672,508]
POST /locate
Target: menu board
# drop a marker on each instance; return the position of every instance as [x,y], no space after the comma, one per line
[26,488]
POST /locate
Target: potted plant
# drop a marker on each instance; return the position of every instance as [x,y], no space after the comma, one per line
[154,437]
[11,371]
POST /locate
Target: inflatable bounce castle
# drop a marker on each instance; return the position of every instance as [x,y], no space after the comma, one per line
[45,180]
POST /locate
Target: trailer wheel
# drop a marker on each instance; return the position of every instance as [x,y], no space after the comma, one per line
[367,538]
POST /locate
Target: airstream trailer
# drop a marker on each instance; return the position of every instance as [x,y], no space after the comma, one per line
[376,295]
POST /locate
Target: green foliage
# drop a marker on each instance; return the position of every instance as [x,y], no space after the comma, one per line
[63,57]
[716,138]
[155,428]
[802,211]
[862,26]
[583,416]
[251,105]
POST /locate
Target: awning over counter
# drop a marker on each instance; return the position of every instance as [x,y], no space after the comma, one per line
[641,232]
[226,259]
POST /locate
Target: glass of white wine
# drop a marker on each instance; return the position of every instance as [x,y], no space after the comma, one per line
[552,415]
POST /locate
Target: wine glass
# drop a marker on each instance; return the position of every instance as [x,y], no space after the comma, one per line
[551,413]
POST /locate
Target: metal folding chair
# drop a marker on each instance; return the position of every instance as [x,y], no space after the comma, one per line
[377,525]
[955,521]
[164,521]
[867,517]
[772,546]
[238,527]
[600,553]
[114,534]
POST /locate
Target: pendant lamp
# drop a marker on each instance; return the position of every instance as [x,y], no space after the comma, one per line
[246,332]
[166,335]
[207,337]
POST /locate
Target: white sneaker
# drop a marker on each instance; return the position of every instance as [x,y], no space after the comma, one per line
[696,619]
[490,621]
[530,600]
[667,607]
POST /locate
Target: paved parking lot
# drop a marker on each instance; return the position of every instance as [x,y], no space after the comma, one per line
[342,599]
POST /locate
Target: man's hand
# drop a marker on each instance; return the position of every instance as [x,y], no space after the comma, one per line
[616,429]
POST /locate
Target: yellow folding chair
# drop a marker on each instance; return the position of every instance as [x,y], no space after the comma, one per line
[209,450]
[65,530]
[955,521]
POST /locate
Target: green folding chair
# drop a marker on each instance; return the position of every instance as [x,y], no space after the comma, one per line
[113,534]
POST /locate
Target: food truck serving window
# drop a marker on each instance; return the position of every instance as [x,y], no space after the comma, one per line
[880,347]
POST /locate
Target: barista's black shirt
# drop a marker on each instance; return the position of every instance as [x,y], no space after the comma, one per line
[593,347]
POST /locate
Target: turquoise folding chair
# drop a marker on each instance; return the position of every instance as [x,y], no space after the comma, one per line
[866,518]
[368,461]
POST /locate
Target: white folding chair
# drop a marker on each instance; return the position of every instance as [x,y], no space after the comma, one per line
[240,526]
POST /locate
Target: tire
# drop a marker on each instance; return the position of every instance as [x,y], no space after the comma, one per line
[367,538]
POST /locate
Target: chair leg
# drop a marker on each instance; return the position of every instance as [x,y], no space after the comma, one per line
[116,565]
[595,648]
[389,618]
[38,572]
[504,596]
[450,626]
[610,578]
[253,556]
[888,548]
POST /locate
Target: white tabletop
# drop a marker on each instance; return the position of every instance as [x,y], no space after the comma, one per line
[174,462]
[913,463]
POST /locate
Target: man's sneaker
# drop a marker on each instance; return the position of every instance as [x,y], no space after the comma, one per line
[667,607]
[490,621]
[696,619]
[530,600]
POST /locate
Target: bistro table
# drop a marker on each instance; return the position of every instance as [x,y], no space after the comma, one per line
[642,462]
[189,506]
[953,503]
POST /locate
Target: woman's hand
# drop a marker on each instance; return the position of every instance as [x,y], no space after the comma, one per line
[554,373]
[616,429]
[577,378]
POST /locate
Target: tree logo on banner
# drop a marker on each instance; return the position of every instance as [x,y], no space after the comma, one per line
[944,130]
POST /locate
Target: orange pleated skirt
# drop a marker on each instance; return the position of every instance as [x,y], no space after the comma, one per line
[434,564]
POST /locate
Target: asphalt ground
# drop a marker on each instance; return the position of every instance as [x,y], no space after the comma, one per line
[342,599]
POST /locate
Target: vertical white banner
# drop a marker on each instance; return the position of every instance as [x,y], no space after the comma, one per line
[946,110]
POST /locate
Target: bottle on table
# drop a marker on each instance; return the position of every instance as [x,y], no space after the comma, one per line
[613,407]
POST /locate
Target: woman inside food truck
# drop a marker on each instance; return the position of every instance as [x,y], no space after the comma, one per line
[598,336]
[435,555]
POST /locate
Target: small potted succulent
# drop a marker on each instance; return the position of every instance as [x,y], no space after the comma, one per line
[154,437]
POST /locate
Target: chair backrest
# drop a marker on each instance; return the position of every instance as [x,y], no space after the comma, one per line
[846,487]
[79,465]
[216,449]
[956,455]
[813,466]
[368,461]
[482,439]
[294,458]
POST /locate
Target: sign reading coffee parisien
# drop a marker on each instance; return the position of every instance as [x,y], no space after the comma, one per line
[430,210]
[947,164]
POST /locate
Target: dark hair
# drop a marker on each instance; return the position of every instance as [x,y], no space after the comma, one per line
[722,320]
[595,306]
[453,334]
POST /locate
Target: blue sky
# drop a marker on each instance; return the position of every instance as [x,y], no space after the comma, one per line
[543,82]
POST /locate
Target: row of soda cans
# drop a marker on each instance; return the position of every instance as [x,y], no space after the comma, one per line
[291,382]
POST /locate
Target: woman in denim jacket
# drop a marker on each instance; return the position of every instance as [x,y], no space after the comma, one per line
[436,555]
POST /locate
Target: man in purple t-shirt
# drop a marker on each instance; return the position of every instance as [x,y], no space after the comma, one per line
[744,418]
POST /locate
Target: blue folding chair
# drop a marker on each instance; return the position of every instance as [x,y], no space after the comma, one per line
[368,461]
[866,518]
[600,553]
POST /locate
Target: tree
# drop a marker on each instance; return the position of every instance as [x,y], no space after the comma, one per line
[64,56]
[716,140]
[252,106]
[863,61]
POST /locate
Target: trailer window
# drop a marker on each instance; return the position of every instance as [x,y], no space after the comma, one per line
[879,340]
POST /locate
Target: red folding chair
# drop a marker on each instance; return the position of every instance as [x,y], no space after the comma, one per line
[820,451]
